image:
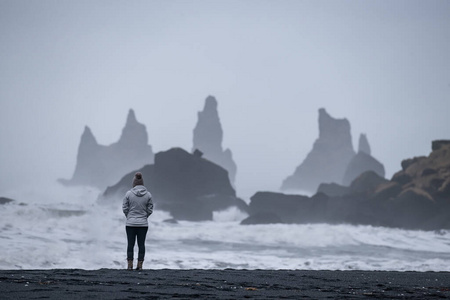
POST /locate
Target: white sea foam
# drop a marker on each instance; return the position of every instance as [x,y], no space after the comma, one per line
[72,231]
[229,215]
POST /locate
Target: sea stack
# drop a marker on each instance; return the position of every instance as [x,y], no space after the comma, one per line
[186,185]
[362,162]
[329,158]
[363,144]
[208,136]
[101,166]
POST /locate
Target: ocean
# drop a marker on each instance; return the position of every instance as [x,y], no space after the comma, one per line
[66,228]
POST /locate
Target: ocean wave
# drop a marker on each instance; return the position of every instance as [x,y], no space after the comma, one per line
[89,236]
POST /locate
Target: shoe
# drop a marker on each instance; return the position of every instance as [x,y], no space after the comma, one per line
[130,264]
[139,265]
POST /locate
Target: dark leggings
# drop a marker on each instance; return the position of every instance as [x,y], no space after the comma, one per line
[132,233]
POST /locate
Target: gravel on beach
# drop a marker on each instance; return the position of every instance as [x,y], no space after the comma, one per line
[221,284]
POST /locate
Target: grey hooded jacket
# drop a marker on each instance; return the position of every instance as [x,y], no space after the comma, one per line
[137,206]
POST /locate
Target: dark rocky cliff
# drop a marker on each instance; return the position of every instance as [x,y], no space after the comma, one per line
[417,197]
[186,185]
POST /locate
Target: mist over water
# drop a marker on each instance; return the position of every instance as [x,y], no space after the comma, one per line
[66,228]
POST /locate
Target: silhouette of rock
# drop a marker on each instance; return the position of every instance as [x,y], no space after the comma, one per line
[283,205]
[186,185]
[412,208]
[288,208]
[414,197]
[436,145]
[366,183]
[208,137]
[100,166]
[362,162]
[4,200]
[359,164]
[333,189]
[198,153]
[417,197]
[401,178]
[329,158]
[429,173]
[363,145]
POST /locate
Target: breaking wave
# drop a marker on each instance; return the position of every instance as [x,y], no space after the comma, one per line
[75,232]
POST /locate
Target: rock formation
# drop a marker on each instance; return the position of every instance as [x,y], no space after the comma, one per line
[208,137]
[333,189]
[288,207]
[100,166]
[365,183]
[4,200]
[417,197]
[430,174]
[362,162]
[329,158]
[363,144]
[436,145]
[186,185]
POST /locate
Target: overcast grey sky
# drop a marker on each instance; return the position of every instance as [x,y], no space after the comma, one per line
[383,65]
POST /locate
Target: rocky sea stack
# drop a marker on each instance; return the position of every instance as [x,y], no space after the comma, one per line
[332,159]
[186,185]
[208,136]
[99,165]
[328,159]
[417,197]
[363,161]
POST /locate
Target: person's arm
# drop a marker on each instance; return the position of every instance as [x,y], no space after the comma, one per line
[149,206]
[126,205]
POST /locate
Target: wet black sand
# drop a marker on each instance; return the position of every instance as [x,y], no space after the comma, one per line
[221,284]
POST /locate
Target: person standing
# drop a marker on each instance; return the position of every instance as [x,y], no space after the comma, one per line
[137,207]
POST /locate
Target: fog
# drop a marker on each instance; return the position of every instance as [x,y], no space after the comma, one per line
[383,65]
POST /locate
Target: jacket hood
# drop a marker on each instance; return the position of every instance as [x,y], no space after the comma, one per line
[139,190]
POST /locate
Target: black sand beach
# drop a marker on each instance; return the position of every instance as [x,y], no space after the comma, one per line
[221,284]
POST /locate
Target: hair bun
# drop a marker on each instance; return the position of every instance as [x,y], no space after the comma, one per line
[138,175]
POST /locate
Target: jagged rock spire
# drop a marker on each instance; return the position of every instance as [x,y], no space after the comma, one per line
[131,118]
[208,132]
[335,132]
[134,133]
[100,166]
[363,145]
[208,135]
[362,162]
[328,160]
[87,137]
